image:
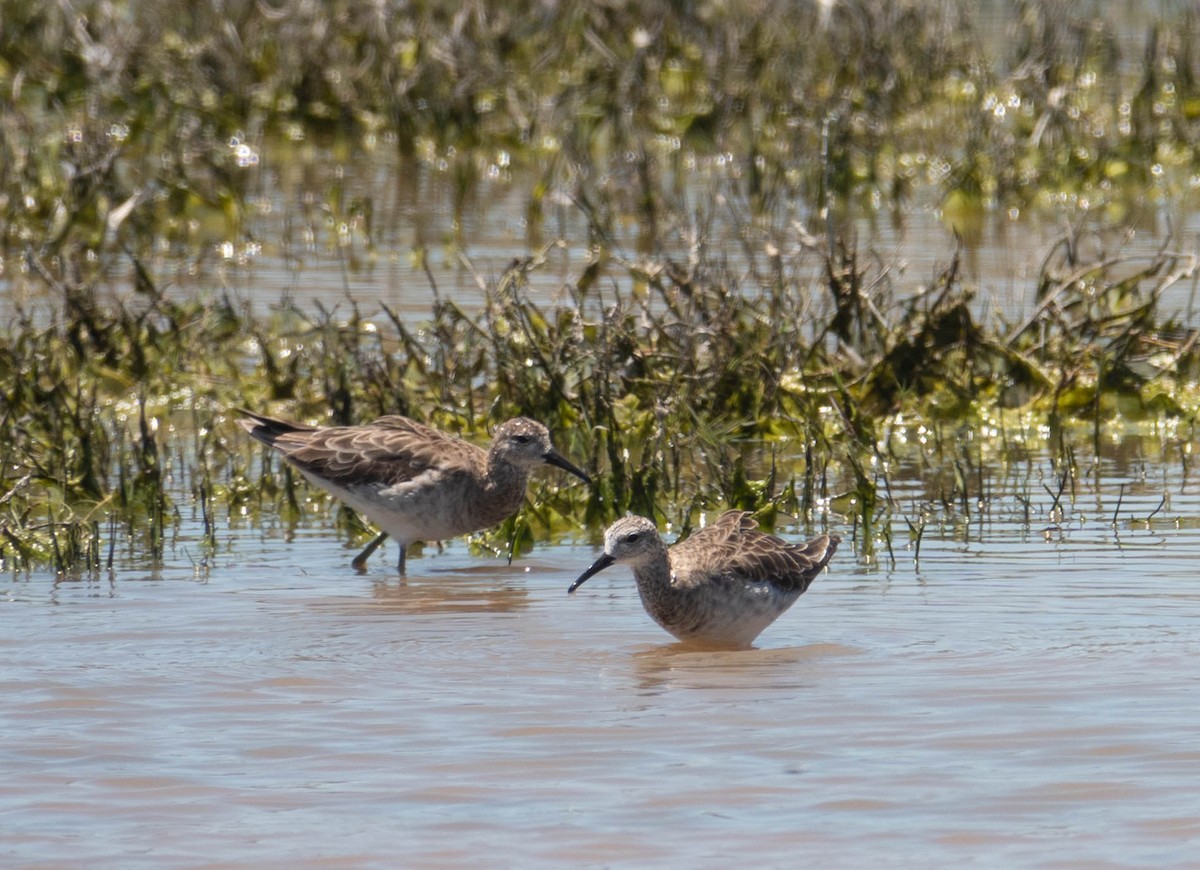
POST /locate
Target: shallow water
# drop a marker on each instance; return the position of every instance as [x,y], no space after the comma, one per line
[1000,257]
[1029,696]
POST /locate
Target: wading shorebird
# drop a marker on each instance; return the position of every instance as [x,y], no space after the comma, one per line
[720,587]
[414,482]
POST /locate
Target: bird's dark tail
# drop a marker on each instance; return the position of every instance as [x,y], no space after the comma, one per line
[268,429]
[830,544]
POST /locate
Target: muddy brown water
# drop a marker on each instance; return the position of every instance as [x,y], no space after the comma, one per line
[1029,695]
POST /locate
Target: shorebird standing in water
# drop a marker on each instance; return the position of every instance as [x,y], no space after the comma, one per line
[723,585]
[414,482]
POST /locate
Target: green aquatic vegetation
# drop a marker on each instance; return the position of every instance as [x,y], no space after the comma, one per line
[694,389]
[150,128]
[138,143]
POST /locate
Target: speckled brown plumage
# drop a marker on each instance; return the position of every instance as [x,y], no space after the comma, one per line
[414,482]
[720,587]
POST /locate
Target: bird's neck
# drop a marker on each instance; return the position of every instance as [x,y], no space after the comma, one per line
[653,576]
[504,487]
[662,599]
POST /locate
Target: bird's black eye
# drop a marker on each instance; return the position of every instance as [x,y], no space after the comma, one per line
[631,538]
[521,439]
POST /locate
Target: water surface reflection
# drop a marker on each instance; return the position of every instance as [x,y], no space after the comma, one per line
[1022,698]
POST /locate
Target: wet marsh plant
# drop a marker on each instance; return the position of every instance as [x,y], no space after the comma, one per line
[138,152]
[695,389]
[130,127]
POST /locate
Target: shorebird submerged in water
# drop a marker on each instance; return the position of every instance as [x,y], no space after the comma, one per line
[720,587]
[414,482]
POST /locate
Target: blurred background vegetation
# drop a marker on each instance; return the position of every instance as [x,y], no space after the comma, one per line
[129,136]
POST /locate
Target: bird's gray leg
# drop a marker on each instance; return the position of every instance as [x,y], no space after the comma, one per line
[360,561]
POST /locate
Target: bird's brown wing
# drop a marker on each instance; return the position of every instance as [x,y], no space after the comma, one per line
[389,450]
[734,547]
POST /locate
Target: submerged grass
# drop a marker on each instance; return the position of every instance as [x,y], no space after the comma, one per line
[793,381]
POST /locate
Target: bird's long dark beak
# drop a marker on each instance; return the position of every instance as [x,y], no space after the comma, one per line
[553,457]
[597,566]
